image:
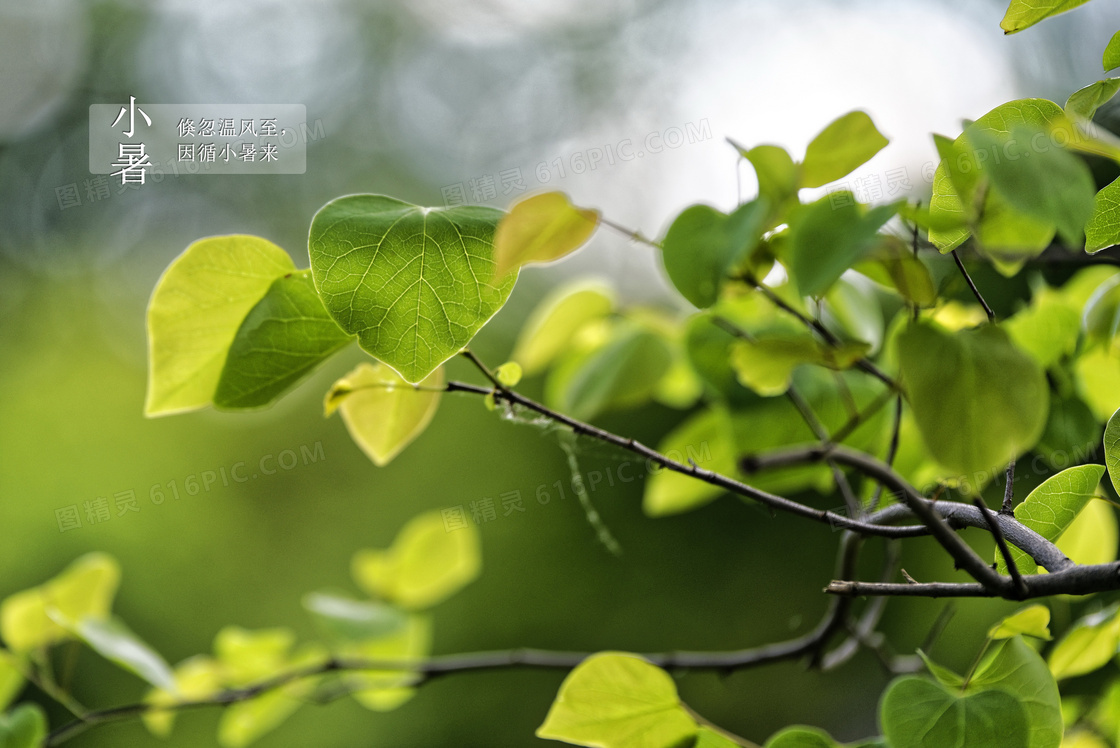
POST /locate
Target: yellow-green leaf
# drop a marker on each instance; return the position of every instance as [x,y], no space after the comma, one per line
[11,678]
[509,373]
[245,722]
[1085,102]
[385,690]
[195,312]
[766,365]
[426,563]
[1092,537]
[616,700]
[1022,14]
[1034,620]
[557,319]
[541,228]
[85,589]
[1089,645]
[846,143]
[383,412]
[1110,60]
[1103,228]
[196,678]
[248,656]
[708,439]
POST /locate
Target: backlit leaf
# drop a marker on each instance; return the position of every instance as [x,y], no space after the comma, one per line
[541,228]
[1087,646]
[551,326]
[1085,102]
[1022,14]
[114,641]
[1092,536]
[1103,228]
[846,143]
[1034,620]
[826,240]
[1111,58]
[414,284]
[383,412]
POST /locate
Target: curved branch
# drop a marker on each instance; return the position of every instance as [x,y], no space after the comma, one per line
[1077,580]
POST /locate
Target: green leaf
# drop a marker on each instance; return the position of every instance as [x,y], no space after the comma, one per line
[1090,644]
[846,143]
[414,284]
[1050,508]
[557,319]
[85,589]
[825,241]
[1047,329]
[944,675]
[385,690]
[778,178]
[509,373]
[248,656]
[1101,315]
[703,245]
[622,372]
[1022,14]
[917,713]
[1097,373]
[708,439]
[11,678]
[114,641]
[1036,177]
[1103,228]
[1091,538]
[195,312]
[23,727]
[1111,58]
[1033,620]
[1112,449]
[1085,102]
[893,265]
[1002,229]
[247,721]
[801,737]
[383,412]
[282,339]
[426,563]
[766,365]
[979,402]
[344,619]
[615,700]
[1013,667]
[541,228]
[196,678]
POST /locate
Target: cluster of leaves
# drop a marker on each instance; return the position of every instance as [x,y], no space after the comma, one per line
[262,675]
[810,316]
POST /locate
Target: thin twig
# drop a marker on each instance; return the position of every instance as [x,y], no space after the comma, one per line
[1009,490]
[975,291]
[1001,543]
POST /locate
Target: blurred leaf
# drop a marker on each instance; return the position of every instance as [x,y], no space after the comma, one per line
[801,737]
[247,721]
[541,228]
[385,690]
[1103,228]
[978,401]
[614,700]
[11,678]
[825,241]
[426,564]
[114,641]
[344,619]
[1088,645]
[1082,739]
[766,364]
[1111,58]
[195,312]
[23,727]
[1112,449]
[917,713]
[558,318]
[196,678]
[1092,536]
[1086,101]
[1101,316]
[709,738]
[281,340]
[1052,507]
[623,372]
[1033,620]
[1012,666]
[893,265]
[851,308]
[249,656]
[1097,374]
[944,675]
[1047,329]
[1051,185]
[383,412]
[707,439]
[703,245]
[414,284]
[1022,14]
[509,373]
[846,143]
[84,589]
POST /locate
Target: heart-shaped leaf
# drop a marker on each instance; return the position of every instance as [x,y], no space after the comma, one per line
[703,245]
[541,228]
[918,713]
[414,284]
[23,727]
[846,143]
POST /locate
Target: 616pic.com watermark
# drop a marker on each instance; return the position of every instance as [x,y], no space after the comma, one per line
[102,509]
[486,187]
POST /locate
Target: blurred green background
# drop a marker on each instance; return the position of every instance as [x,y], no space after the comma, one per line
[413,98]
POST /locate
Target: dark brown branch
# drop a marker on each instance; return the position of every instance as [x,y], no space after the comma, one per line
[1001,543]
[975,291]
[1077,580]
